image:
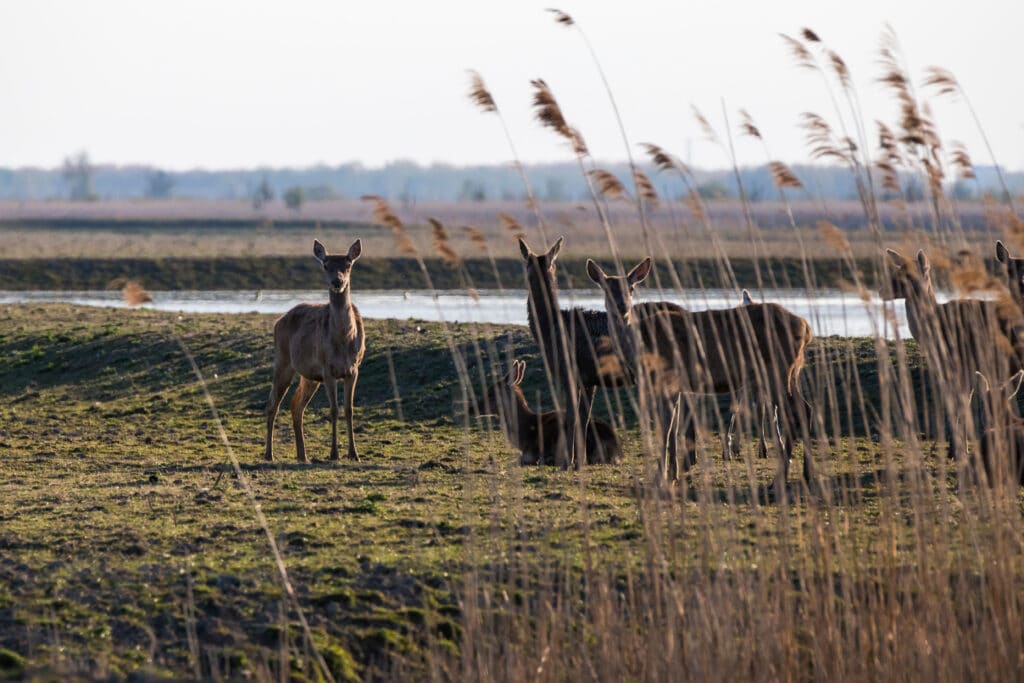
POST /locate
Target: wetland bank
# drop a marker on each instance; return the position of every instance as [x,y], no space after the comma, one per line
[129,543]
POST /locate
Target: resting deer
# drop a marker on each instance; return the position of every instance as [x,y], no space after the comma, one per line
[711,352]
[538,435]
[575,344]
[322,343]
[958,337]
[1014,272]
[998,429]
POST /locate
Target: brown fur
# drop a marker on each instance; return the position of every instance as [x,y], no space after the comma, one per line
[538,435]
[998,429]
[711,352]
[322,343]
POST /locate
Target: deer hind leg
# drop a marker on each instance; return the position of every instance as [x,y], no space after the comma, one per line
[282,378]
[300,399]
[350,402]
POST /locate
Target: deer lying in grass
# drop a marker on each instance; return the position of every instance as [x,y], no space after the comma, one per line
[998,429]
[322,343]
[575,344]
[958,337]
[757,346]
[538,435]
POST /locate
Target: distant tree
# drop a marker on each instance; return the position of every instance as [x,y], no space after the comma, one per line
[78,173]
[294,197]
[554,190]
[159,185]
[318,193]
[263,194]
[472,191]
[713,190]
[963,190]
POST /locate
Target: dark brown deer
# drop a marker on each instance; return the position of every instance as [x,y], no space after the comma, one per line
[757,346]
[576,346]
[998,429]
[538,436]
[322,343]
[958,338]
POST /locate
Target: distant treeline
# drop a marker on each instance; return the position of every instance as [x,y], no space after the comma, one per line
[407,181]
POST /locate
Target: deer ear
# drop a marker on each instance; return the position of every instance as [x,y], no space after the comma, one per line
[747,300]
[319,251]
[524,249]
[895,258]
[1002,255]
[520,371]
[555,248]
[355,250]
[639,272]
[594,271]
[922,263]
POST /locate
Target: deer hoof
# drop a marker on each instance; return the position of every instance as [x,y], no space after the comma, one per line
[303,459]
[353,455]
[269,457]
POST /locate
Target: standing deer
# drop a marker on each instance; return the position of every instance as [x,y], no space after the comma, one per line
[712,352]
[322,343]
[958,337]
[576,345]
[538,436]
[998,429]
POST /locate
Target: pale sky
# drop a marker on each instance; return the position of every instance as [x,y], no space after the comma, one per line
[221,84]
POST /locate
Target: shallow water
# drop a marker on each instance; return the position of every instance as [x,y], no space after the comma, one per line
[830,312]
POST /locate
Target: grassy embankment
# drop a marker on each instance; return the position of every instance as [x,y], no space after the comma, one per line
[129,543]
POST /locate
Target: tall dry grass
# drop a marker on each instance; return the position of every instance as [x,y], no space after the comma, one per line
[891,564]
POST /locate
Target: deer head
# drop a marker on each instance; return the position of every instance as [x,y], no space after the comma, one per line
[906,282]
[540,263]
[1014,270]
[337,268]
[618,290]
[500,394]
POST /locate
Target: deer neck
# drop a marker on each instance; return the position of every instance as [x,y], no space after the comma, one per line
[543,311]
[341,321]
[519,419]
[921,306]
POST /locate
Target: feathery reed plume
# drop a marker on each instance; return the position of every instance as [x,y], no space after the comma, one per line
[747,126]
[607,184]
[645,188]
[833,236]
[705,125]
[480,95]
[839,67]
[890,159]
[664,161]
[783,176]
[441,243]
[961,161]
[131,290]
[475,236]
[942,80]
[823,141]
[579,145]
[561,17]
[801,55]
[383,215]
[511,225]
[547,111]
[945,83]
[810,36]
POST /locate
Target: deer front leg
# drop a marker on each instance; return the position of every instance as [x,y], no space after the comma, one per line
[283,374]
[350,398]
[331,386]
[301,398]
[670,438]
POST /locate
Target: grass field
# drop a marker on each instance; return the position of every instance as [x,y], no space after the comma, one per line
[129,544]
